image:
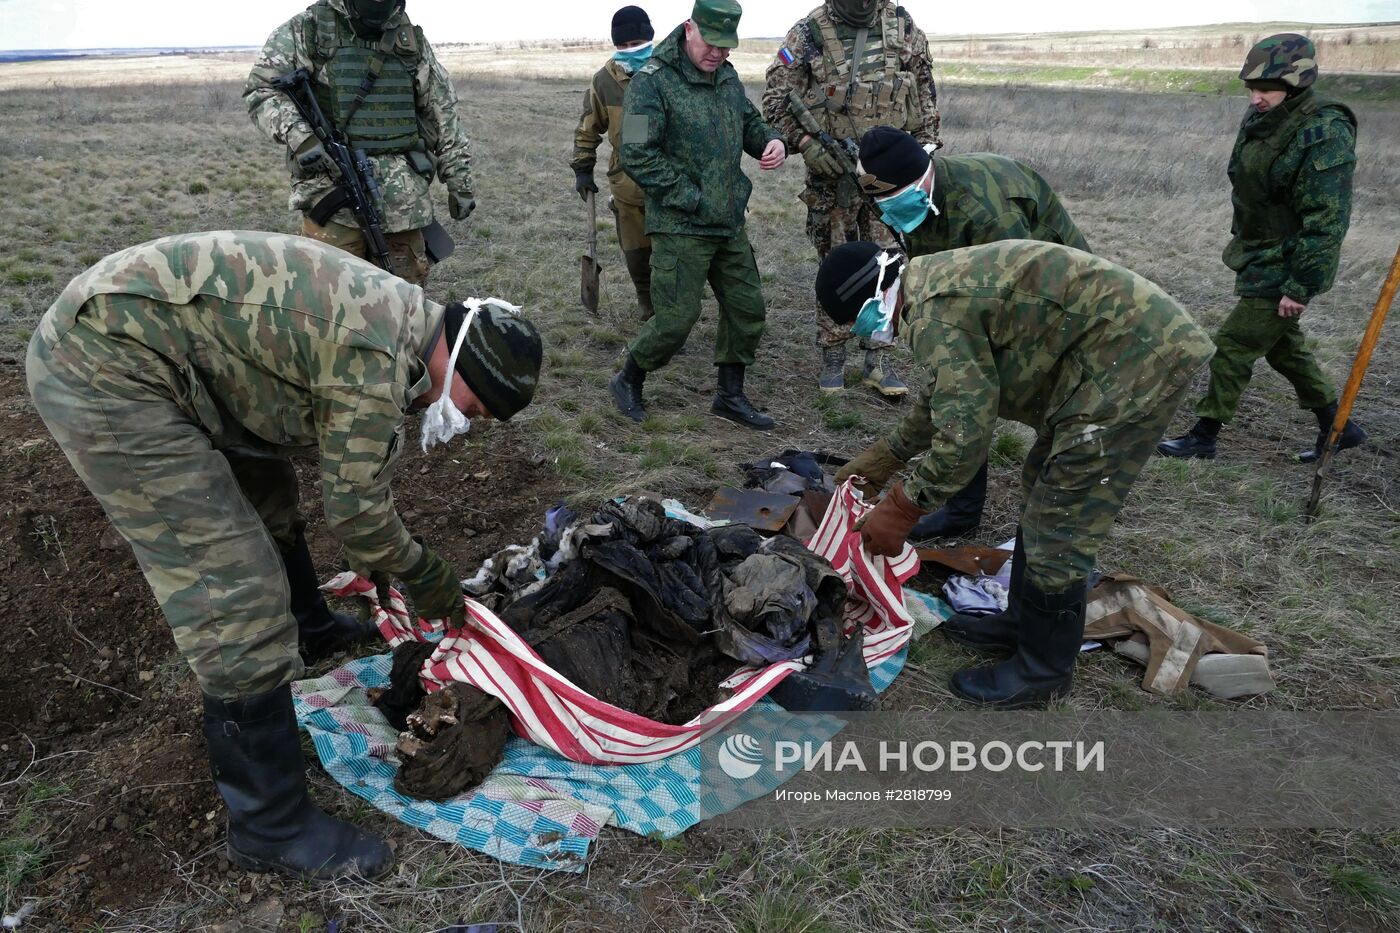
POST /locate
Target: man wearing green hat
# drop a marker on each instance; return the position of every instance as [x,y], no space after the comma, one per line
[1290,175]
[687,124]
[179,377]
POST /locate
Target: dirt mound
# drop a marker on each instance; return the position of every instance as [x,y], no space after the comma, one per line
[90,674]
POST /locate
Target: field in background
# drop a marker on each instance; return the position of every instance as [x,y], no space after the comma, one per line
[97,169]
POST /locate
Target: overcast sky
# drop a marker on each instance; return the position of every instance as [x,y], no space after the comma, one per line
[79,24]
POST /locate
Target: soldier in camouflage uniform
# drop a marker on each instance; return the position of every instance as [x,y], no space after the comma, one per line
[1092,356]
[602,114]
[686,126]
[1290,174]
[178,377]
[855,64]
[406,122]
[948,202]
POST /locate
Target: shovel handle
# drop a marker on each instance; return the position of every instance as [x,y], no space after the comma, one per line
[592,227]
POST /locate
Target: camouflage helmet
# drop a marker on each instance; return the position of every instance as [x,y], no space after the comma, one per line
[1285,62]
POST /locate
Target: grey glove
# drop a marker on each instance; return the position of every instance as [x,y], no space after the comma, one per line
[460,206]
[584,183]
[308,159]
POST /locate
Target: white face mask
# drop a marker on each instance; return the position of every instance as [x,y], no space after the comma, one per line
[883,336]
[443,420]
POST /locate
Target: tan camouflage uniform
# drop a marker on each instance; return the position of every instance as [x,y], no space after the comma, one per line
[178,376]
[602,116]
[895,87]
[1094,357]
[320,39]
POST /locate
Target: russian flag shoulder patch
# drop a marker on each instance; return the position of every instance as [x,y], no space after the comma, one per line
[786,56]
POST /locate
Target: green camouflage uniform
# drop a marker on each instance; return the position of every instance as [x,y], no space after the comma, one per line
[1091,355]
[179,375]
[684,134]
[1291,172]
[983,198]
[895,87]
[602,115]
[413,108]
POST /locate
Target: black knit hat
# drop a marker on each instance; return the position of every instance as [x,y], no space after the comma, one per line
[889,160]
[500,357]
[630,24]
[846,279]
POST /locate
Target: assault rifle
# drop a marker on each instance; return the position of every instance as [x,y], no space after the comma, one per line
[352,171]
[846,152]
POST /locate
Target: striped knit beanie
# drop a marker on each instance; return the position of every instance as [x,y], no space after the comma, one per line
[846,279]
[500,358]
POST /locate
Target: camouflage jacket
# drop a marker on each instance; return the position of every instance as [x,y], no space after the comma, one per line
[406,202]
[602,114]
[800,66]
[684,133]
[1039,333]
[281,344]
[982,198]
[1290,173]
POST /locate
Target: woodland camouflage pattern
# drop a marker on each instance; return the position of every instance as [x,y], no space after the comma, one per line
[684,135]
[179,375]
[1091,355]
[406,203]
[1286,57]
[982,198]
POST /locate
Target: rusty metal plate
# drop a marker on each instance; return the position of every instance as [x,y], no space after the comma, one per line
[967,560]
[764,511]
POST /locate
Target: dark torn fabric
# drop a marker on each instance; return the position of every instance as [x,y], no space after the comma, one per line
[645,612]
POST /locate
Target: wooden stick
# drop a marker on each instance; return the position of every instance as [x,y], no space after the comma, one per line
[1358,372]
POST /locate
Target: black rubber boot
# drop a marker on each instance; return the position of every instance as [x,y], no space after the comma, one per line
[1352,434]
[626,389]
[961,514]
[998,631]
[732,404]
[1050,632]
[639,268]
[833,374]
[320,632]
[1198,443]
[255,758]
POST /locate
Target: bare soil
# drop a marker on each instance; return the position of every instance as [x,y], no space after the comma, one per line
[91,678]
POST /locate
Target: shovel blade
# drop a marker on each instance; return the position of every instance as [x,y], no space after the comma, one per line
[588,282]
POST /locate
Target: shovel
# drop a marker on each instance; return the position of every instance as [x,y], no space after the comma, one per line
[588,282]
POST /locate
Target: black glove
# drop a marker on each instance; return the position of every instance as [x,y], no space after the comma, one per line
[460,207]
[584,183]
[435,590]
[308,159]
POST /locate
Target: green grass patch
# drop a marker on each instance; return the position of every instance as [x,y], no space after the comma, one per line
[24,847]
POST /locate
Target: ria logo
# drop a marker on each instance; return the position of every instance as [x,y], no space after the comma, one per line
[740,756]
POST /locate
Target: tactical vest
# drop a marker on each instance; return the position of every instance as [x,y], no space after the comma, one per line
[860,86]
[386,121]
[1261,212]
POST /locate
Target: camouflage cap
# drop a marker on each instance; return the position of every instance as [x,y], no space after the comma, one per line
[500,358]
[1287,60]
[718,21]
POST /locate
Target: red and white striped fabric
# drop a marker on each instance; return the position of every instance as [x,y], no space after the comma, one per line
[551,711]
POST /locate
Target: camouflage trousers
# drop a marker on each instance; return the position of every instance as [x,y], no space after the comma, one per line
[1252,330]
[203,523]
[1073,491]
[407,251]
[829,224]
[631,221]
[680,267]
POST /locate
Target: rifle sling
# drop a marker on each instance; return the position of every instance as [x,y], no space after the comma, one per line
[376,65]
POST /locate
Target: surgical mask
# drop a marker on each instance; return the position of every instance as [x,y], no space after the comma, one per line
[907,209]
[443,420]
[875,322]
[632,59]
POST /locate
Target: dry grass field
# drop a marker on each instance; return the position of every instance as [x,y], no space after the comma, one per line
[91,170]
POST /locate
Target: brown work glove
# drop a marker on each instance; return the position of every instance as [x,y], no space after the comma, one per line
[435,590]
[885,530]
[877,463]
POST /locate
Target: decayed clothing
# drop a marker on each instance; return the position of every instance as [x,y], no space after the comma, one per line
[982,198]
[893,85]
[1091,355]
[178,376]
[412,109]
[684,135]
